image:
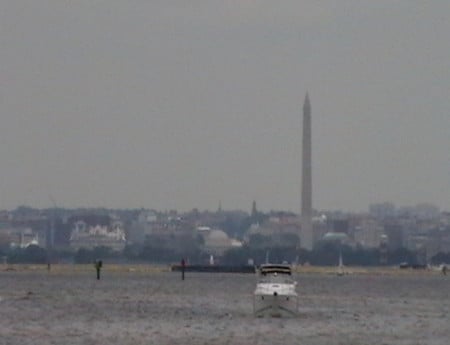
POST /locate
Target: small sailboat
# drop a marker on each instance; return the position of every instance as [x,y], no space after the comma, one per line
[340,269]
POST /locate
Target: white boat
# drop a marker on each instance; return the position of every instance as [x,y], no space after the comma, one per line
[275,294]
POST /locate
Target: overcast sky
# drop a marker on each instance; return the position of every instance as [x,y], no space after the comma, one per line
[183,104]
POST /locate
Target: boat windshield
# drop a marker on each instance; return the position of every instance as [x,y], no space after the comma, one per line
[275,269]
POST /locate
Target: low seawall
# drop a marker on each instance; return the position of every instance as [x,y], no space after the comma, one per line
[215,268]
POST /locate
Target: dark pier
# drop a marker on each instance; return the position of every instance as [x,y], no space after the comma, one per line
[214,268]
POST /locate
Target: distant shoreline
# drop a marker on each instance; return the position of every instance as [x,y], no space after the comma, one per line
[161,268]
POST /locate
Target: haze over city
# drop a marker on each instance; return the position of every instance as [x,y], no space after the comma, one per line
[181,105]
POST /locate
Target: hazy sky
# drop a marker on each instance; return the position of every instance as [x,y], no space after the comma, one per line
[182,104]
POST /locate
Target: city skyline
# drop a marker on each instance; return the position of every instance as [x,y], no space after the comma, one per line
[181,106]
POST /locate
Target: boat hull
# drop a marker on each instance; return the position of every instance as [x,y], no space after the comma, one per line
[275,305]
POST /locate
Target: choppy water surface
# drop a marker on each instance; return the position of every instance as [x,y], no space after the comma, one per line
[160,308]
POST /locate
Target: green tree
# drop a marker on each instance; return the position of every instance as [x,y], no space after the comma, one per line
[32,254]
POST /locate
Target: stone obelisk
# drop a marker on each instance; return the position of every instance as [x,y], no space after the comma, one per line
[306,238]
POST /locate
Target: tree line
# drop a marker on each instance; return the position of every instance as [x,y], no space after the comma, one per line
[324,254]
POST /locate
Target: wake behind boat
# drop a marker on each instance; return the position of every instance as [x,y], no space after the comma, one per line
[275,294]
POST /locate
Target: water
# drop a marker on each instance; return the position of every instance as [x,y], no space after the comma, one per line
[160,308]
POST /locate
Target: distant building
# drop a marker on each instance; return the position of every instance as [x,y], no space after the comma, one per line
[216,241]
[369,234]
[20,237]
[147,217]
[394,234]
[5,216]
[340,225]
[276,225]
[90,232]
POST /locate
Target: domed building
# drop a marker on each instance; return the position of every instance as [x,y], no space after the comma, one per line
[216,241]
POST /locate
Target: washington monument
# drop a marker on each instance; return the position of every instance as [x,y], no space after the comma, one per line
[306,236]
